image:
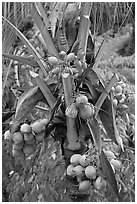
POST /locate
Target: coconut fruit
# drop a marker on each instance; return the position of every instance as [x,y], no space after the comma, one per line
[74,159]
[118,89]
[44,121]
[81,100]
[62,54]
[7,135]
[122,101]
[100,183]
[28,136]
[122,84]
[76,75]
[25,128]
[90,172]
[115,102]
[113,89]
[70,57]
[37,127]
[17,137]
[124,106]
[116,163]
[84,160]
[78,170]
[55,70]
[53,61]
[70,171]
[71,111]
[86,111]
[84,186]
[109,154]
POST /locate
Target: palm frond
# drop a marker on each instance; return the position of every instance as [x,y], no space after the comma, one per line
[84,28]
[31,49]
[44,32]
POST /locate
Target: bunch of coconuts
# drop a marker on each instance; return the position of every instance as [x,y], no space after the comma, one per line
[119,95]
[82,107]
[82,168]
[65,59]
[25,140]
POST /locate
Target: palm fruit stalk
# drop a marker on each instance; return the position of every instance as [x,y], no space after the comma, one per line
[72,135]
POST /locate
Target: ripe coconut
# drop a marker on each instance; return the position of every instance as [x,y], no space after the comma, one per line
[7,135]
[37,127]
[28,136]
[90,172]
[53,61]
[81,100]
[62,54]
[84,160]
[115,102]
[84,186]
[116,163]
[70,57]
[86,111]
[109,154]
[44,121]
[78,170]
[70,171]
[74,159]
[25,128]
[17,137]
[118,89]
[100,183]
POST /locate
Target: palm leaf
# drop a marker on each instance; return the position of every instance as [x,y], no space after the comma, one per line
[44,32]
[95,131]
[84,27]
[31,49]
[44,89]
[108,173]
[43,14]
[22,60]
[105,93]
[6,74]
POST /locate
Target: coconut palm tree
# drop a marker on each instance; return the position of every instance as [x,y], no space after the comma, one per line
[49,68]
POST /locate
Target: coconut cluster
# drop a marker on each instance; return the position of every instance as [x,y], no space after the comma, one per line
[81,167]
[114,162]
[66,59]
[82,107]
[25,140]
[86,174]
[119,95]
